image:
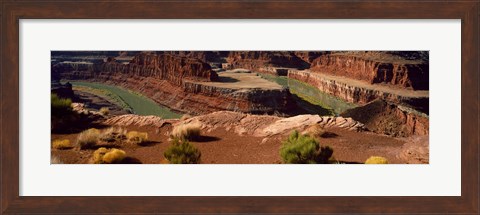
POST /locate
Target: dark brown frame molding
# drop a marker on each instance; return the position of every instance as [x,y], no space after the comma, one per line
[11,11]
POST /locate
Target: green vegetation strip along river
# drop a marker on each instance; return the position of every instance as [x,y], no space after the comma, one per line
[139,104]
[311,94]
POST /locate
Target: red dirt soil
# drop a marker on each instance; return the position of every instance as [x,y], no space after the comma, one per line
[226,147]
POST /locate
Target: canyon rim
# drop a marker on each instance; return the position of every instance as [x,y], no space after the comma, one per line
[239,107]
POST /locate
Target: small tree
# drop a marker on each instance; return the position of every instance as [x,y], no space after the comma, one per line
[182,152]
[303,149]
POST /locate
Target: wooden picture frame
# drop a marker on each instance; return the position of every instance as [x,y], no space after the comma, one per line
[13,11]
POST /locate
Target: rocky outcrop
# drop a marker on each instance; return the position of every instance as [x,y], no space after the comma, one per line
[62,90]
[205,56]
[374,69]
[264,126]
[390,119]
[136,120]
[309,56]
[254,60]
[254,100]
[356,94]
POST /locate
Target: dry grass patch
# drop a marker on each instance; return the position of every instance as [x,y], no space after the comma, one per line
[189,131]
[61,144]
[88,138]
[113,134]
[137,137]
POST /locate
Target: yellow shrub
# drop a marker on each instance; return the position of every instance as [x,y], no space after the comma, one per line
[114,156]
[104,111]
[98,155]
[88,138]
[137,137]
[187,131]
[61,144]
[106,156]
[376,160]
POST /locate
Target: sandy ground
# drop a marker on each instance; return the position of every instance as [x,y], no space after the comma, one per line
[226,147]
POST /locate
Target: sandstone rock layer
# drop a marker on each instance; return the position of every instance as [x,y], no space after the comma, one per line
[401,73]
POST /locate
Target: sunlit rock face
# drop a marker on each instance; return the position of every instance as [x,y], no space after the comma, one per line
[375,68]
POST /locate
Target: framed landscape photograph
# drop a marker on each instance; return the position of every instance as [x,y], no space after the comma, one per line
[239,107]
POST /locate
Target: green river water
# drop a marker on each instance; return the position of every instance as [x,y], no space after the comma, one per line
[315,98]
[306,96]
[139,104]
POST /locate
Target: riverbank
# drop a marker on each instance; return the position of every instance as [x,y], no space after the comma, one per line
[138,104]
[306,93]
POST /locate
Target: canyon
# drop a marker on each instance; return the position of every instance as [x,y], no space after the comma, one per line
[191,82]
[244,104]
[181,83]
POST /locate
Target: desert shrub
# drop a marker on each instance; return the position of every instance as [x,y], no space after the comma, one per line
[104,111]
[108,156]
[88,138]
[303,149]
[60,107]
[137,137]
[376,160]
[55,160]
[187,131]
[61,144]
[113,134]
[114,156]
[182,152]
[98,155]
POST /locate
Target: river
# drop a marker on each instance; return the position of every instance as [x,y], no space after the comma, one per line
[139,104]
[304,93]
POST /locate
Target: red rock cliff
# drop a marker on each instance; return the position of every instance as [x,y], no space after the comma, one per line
[168,67]
[375,69]
[254,60]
